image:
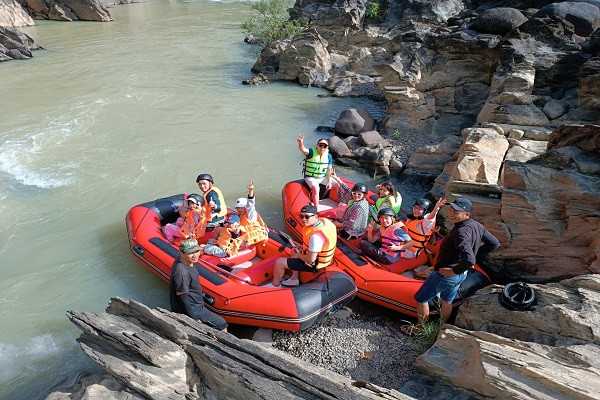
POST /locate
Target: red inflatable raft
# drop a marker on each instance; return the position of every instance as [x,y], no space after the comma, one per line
[392,286]
[238,288]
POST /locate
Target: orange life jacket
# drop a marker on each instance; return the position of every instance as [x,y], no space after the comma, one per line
[228,244]
[223,211]
[389,239]
[192,229]
[329,230]
[414,228]
[256,231]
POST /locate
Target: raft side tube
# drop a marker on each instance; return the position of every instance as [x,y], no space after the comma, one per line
[318,298]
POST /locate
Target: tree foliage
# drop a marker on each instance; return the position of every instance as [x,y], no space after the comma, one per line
[269,21]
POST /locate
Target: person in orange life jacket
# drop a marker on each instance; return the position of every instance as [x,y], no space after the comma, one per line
[392,240]
[193,215]
[185,291]
[458,253]
[212,197]
[419,224]
[319,238]
[353,220]
[230,239]
[317,166]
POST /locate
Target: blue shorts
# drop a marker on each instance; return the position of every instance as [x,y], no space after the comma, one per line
[436,283]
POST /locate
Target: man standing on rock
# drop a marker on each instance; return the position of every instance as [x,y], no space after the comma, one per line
[456,256]
[185,291]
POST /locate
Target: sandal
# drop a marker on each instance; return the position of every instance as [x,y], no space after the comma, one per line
[410,330]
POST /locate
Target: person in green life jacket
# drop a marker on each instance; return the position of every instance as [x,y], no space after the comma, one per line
[317,166]
[389,197]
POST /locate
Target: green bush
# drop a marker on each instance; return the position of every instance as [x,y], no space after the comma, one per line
[425,334]
[373,10]
[269,22]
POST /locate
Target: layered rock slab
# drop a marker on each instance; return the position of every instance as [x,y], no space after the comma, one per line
[157,354]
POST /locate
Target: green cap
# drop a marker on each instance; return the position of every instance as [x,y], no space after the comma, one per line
[189,246]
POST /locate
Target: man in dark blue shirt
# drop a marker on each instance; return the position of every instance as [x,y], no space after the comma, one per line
[185,290]
[458,253]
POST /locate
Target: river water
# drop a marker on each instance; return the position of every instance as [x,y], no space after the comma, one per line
[110,115]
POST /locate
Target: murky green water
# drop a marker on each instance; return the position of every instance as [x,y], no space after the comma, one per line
[110,115]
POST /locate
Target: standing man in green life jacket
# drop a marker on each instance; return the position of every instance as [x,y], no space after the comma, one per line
[317,166]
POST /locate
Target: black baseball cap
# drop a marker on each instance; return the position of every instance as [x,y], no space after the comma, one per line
[309,209]
[462,204]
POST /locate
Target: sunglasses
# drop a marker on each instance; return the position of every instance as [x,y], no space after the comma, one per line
[306,216]
[323,145]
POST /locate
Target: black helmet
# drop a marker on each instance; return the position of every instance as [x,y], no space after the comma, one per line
[517,296]
[424,203]
[386,211]
[197,198]
[207,177]
[360,187]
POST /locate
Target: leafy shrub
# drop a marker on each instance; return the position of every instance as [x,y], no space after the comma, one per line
[269,22]
[373,10]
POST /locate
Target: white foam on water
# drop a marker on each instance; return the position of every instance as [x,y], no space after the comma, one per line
[8,359]
[33,155]
[19,360]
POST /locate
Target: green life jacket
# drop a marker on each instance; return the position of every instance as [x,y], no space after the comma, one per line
[317,165]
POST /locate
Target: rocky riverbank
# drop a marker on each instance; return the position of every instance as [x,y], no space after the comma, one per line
[549,351]
[496,101]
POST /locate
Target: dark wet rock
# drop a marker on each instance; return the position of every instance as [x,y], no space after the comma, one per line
[354,121]
[339,148]
[499,21]
[584,17]
[555,108]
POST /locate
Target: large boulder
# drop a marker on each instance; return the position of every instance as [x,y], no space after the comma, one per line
[13,15]
[584,17]
[499,20]
[480,157]
[354,121]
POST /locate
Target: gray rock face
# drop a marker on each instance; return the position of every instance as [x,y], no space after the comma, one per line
[157,354]
[13,15]
[433,11]
[584,17]
[354,121]
[499,20]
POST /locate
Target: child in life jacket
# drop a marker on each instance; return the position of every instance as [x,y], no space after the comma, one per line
[230,240]
[191,222]
[388,197]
